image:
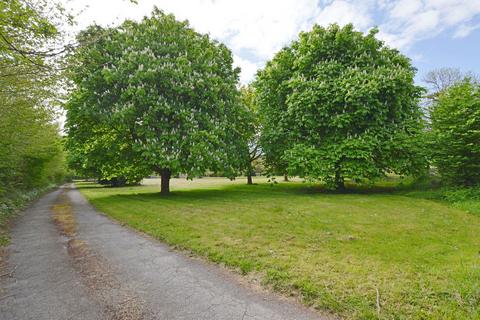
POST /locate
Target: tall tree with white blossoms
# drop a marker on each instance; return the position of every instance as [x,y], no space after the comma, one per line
[165,92]
[339,104]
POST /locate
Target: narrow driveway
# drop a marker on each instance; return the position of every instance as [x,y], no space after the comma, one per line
[67,261]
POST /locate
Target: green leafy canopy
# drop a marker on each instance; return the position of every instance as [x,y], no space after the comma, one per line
[339,104]
[156,95]
[30,145]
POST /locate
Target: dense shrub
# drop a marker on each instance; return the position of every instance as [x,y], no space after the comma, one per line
[456,134]
[461,194]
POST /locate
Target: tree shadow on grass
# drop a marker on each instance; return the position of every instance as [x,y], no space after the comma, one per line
[241,193]
[90,187]
[94,185]
[351,189]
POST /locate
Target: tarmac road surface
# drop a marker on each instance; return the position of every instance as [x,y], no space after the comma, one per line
[68,261]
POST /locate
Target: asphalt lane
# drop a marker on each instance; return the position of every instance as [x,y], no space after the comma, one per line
[105,271]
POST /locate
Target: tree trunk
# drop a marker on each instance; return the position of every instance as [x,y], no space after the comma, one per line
[165,187]
[339,181]
[285,177]
[250,174]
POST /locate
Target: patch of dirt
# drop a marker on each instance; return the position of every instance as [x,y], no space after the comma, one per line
[63,216]
[120,302]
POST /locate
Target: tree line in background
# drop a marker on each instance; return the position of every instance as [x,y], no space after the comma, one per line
[156,97]
[31,155]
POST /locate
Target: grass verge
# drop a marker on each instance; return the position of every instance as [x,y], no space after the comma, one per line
[363,255]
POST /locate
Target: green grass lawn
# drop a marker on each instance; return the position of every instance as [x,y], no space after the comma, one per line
[334,251]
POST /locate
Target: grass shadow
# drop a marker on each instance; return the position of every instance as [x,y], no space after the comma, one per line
[244,192]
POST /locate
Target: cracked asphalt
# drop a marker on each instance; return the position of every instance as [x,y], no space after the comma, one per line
[44,278]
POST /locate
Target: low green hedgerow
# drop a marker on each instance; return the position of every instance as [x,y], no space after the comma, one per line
[465,198]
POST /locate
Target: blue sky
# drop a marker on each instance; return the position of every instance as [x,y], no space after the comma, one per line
[433,33]
[446,51]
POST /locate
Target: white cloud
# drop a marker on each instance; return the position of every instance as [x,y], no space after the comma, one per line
[405,8]
[464,30]
[248,68]
[343,12]
[263,27]
[409,21]
[256,29]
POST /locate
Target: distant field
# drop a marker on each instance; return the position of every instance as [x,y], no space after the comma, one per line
[337,252]
[210,182]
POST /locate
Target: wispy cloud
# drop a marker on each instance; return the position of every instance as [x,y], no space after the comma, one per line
[344,12]
[408,21]
[465,29]
[248,68]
